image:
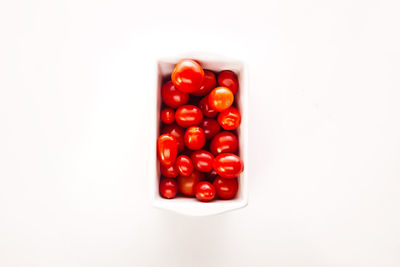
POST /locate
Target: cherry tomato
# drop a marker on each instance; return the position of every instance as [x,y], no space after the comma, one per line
[172,97]
[229,80]
[169,171]
[184,165]
[177,132]
[204,105]
[202,160]
[226,188]
[228,165]
[229,119]
[194,138]
[187,76]
[211,127]
[168,188]
[188,115]
[220,98]
[224,142]
[186,184]
[167,148]
[205,191]
[209,83]
[167,115]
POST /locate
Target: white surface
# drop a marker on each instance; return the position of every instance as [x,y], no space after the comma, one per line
[324,133]
[187,206]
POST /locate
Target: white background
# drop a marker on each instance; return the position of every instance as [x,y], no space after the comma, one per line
[76,87]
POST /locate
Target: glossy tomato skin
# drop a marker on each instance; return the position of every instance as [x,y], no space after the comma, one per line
[169,171]
[211,127]
[206,108]
[205,191]
[220,99]
[188,115]
[168,188]
[202,160]
[186,184]
[172,97]
[187,76]
[209,83]
[229,119]
[194,138]
[167,148]
[177,132]
[184,165]
[226,188]
[228,79]
[228,165]
[167,115]
[224,142]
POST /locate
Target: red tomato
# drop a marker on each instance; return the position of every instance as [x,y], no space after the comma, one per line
[224,142]
[194,138]
[228,165]
[228,79]
[184,165]
[204,105]
[169,171]
[177,132]
[226,188]
[205,191]
[167,148]
[172,97]
[168,188]
[186,184]
[229,119]
[187,76]
[209,83]
[167,115]
[188,115]
[220,99]
[202,160]
[211,127]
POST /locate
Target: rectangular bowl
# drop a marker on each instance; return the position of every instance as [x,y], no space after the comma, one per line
[189,206]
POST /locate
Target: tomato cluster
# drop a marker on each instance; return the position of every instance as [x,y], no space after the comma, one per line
[198,146]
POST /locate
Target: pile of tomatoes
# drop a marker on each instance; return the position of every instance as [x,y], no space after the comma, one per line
[198,145]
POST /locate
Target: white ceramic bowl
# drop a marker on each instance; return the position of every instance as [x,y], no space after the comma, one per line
[190,206]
